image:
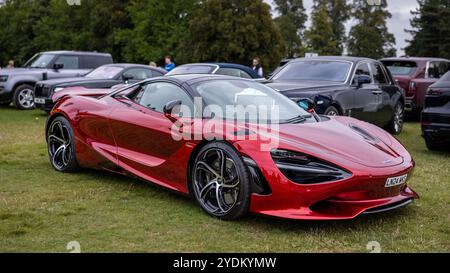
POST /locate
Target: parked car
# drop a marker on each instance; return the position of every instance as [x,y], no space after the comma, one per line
[17,85]
[436,115]
[345,86]
[227,69]
[105,76]
[415,75]
[139,131]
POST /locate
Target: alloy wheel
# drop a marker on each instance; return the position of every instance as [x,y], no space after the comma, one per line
[216,182]
[60,145]
[398,118]
[26,98]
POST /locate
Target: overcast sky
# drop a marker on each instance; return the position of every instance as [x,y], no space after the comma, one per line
[400,10]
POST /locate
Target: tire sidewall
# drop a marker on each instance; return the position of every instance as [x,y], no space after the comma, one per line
[332,109]
[73,163]
[242,206]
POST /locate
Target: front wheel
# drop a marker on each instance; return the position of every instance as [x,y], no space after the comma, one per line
[61,146]
[24,97]
[221,181]
[395,125]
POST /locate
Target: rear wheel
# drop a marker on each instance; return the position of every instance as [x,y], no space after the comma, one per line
[61,146]
[221,182]
[332,111]
[395,126]
[24,97]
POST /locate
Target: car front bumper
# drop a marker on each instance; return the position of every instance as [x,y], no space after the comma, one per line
[44,104]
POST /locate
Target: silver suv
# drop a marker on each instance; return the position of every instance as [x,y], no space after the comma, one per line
[17,85]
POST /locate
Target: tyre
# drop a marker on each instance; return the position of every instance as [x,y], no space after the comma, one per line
[433,145]
[395,125]
[221,181]
[332,111]
[61,146]
[23,97]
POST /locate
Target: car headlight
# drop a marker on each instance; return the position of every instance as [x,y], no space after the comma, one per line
[57,89]
[3,78]
[305,169]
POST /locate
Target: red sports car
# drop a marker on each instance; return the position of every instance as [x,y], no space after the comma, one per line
[187,133]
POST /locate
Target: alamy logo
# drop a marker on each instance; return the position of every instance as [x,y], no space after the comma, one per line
[73,2]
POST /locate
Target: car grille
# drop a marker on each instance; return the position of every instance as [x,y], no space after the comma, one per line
[42,91]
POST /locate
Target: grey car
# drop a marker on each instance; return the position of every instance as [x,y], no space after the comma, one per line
[17,85]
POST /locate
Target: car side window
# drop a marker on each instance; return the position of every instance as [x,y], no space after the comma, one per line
[436,70]
[139,73]
[156,95]
[69,62]
[362,69]
[233,72]
[378,74]
[92,62]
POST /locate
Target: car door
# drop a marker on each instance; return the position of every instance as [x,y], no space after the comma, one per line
[144,136]
[71,67]
[389,94]
[367,102]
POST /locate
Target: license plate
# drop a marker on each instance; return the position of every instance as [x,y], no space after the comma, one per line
[396,181]
[40,101]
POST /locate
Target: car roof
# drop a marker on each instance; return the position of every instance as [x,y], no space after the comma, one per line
[129,65]
[414,59]
[194,78]
[226,65]
[60,52]
[334,58]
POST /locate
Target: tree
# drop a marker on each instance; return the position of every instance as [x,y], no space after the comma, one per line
[431,30]
[320,37]
[157,29]
[370,36]
[291,24]
[232,31]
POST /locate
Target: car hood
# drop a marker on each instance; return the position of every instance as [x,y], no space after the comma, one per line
[21,71]
[286,86]
[345,138]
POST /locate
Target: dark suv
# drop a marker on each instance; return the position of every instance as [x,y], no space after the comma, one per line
[415,75]
[17,85]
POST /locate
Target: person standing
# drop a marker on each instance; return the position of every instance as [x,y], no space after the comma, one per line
[257,67]
[169,64]
[10,64]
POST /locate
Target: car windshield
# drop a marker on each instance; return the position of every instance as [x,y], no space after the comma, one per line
[401,68]
[333,71]
[40,61]
[232,96]
[192,69]
[105,72]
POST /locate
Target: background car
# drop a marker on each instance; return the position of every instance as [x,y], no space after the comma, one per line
[227,69]
[347,86]
[17,85]
[436,115]
[309,173]
[105,77]
[415,75]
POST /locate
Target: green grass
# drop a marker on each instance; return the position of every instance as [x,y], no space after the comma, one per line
[42,210]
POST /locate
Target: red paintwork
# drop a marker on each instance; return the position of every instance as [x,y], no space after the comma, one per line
[113,136]
[81,91]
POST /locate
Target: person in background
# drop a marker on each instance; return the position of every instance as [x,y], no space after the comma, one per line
[10,64]
[257,67]
[152,64]
[169,64]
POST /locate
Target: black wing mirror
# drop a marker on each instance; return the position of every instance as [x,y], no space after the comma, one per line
[127,77]
[172,109]
[307,104]
[361,80]
[58,66]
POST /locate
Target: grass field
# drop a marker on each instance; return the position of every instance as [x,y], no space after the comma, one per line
[42,210]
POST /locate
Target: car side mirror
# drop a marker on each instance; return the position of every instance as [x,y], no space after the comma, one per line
[361,80]
[127,77]
[307,104]
[172,108]
[58,66]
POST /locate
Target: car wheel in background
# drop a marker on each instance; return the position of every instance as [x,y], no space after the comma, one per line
[221,181]
[332,111]
[24,97]
[61,145]
[395,126]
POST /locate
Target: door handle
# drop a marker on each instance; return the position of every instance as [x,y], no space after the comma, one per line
[377,92]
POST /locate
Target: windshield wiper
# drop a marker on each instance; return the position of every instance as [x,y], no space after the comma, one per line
[298,119]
